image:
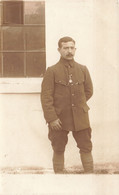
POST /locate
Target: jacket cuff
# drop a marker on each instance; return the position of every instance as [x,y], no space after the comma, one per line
[51,118]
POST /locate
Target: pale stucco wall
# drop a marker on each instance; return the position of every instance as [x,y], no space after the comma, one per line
[23,131]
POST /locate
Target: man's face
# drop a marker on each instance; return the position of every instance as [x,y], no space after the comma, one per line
[67,50]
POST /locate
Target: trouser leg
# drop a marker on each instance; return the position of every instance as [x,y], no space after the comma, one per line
[87,162]
[58,140]
[83,139]
[58,162]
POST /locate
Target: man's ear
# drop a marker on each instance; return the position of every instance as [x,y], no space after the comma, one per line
[58,49]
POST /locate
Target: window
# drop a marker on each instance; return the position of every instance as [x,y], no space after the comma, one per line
[13,12]
[22,39]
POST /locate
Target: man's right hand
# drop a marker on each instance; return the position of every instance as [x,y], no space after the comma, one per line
[56,125]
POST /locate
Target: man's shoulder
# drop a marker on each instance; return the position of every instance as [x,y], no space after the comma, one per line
[80,66]
[54,67]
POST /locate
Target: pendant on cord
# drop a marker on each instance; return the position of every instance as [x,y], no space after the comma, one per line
[70,78]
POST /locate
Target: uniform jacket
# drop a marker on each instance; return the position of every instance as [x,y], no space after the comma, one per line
[66,87]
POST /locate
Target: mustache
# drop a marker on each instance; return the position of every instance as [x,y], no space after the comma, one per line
[69,55]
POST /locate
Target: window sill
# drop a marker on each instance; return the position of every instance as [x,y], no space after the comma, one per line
[20,85]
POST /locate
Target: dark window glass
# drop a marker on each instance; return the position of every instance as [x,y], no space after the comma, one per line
[13,38]
[35,38]
[35,65]
[13,64]
[13,12]
[34,13]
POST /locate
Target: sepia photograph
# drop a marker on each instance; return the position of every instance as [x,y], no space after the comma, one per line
[59,97]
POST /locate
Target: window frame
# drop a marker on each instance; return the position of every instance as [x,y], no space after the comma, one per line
[9,85]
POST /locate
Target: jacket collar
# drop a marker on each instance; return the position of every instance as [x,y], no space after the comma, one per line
[67,62]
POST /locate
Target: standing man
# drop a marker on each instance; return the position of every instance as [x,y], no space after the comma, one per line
[66,88]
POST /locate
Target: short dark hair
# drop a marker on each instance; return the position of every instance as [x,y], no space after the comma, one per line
[64,39]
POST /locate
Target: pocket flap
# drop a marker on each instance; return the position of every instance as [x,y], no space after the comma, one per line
[79,81]
[61,82]
[86,108]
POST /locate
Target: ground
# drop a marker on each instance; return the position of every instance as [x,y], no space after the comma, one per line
[107,168]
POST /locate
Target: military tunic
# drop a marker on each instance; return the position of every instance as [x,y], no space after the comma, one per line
[66,87]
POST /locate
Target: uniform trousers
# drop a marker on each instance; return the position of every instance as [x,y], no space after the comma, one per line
[59,139]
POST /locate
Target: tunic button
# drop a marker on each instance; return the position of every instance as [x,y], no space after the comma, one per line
[72,104]
[72,94]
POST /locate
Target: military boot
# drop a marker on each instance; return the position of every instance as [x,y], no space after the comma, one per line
[58,162]
[87,162]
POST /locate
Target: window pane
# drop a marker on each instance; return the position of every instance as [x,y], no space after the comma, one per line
[13,64]
[35,64]
[13,38]
[12,12]
[34,12]
[35,38]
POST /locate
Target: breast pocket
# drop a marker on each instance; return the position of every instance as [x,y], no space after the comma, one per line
[79,87]
[60,87]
